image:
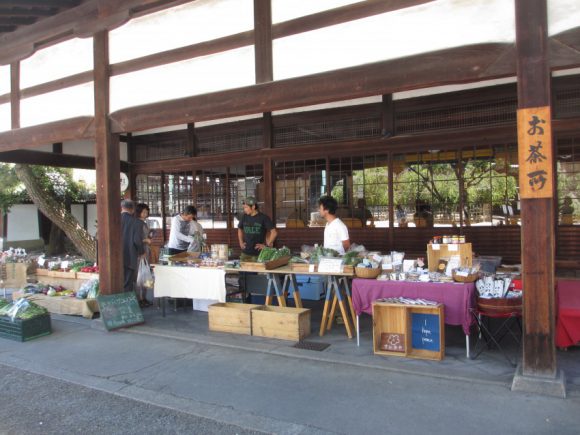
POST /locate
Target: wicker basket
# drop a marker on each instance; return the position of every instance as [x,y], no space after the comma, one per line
[367,273]
[500,305]
[465,279]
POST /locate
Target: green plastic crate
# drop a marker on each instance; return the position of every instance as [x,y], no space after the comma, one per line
[25,330]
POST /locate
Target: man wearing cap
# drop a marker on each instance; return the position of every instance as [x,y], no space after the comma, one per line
[132,232]
[255,230]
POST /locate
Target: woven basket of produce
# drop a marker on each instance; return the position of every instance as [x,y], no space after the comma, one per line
[367,272]
[465,279]
[500,305]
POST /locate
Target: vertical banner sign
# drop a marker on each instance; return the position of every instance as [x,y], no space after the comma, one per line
[535,152]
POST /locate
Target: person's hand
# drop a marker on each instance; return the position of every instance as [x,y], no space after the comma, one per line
[243,245]
[260,246]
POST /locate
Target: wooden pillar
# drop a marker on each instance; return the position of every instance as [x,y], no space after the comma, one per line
[537,193]
[15,95]
[263,40]
[108,168]
[269,189]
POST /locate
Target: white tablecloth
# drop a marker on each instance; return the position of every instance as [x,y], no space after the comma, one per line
[190,283]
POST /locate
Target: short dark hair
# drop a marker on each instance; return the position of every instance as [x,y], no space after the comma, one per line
[127,204]
[328,203]
[190,209]
[139,209]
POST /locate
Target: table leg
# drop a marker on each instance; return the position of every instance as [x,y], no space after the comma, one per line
[326,306]
[467,346]
[285,287]
[279,294]
[163,302]
[347,289]
[341,304]
[269,290]
[332,313]
[357,332]
[297,297]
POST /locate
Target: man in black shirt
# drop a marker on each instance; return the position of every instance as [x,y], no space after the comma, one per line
[255,230]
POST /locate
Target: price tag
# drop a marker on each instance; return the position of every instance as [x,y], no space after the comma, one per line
[311,268]
[64,265]
[330,265]
[453,248]
[463,273]
[387,266]
[41,261]
[436,247]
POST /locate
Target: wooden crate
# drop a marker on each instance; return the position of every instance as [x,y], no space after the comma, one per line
[41,272]
[285,323]
[401,327]
[447,250]
[268,265]
[59,274]
[231,317]
[302,267]
[87,275]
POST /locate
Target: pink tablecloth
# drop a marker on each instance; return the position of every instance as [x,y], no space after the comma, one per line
[568,324]
[457,298]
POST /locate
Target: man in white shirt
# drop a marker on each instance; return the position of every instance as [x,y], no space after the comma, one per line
[180,233]
[335,232]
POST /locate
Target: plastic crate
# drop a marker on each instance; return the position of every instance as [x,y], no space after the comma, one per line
[25,330]
[312,288]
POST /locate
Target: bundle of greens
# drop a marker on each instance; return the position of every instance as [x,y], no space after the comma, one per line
[270,254]
[22,309]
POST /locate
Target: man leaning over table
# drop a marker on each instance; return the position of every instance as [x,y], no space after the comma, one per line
[335,232]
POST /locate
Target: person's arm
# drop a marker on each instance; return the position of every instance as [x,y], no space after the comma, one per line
[138,237]
[271,234]
[271,237]
[241,239]
[178,234]
[344,237]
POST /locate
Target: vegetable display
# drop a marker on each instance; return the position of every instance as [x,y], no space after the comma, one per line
[270,254]
[22,309]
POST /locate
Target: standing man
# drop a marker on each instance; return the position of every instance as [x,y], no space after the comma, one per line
[255,230]
[181,230]
[335,232]
[132,233]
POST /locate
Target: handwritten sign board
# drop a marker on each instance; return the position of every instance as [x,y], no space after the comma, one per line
[120,310]
[330,265]
[425,332]
[393,342]
[535,152]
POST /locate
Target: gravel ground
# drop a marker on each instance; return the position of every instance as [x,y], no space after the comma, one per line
[35,404]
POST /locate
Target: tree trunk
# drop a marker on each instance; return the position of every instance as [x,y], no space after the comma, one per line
[57,213]
[55,241]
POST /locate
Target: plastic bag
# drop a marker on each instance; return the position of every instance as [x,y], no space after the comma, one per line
[144,276]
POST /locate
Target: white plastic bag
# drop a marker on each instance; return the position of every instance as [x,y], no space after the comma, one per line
[144,276]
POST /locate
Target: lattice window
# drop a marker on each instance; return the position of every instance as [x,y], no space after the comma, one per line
[148,191]
[568,173]
[500,111]
[245,180]
[210,197]
[162,150]
[299,185]
[250,139]
[327,131]
[567,102]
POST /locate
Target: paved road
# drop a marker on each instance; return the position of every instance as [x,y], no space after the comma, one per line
[35,404]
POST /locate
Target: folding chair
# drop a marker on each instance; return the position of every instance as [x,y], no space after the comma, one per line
[488,338]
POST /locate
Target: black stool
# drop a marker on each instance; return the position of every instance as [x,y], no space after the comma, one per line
[489,338]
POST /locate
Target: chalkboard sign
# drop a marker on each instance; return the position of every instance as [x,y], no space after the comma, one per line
[425,332]
[120,310]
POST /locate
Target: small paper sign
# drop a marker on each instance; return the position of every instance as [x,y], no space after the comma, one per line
[453,248]
[330,265]
[64,265]
[393,342]
[436,247]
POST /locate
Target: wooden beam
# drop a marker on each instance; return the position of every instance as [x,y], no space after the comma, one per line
[87,19]
[17,21]
[29,12]
[108,177]
[263,40]
[51,4]
[418,142]
[81,127]
[40,158]
[538,224]
[15,95]
[457,65]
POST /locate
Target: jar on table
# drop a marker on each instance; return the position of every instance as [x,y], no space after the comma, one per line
[455,240]
[461,239]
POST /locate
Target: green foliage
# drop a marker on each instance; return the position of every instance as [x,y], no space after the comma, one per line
[57,182]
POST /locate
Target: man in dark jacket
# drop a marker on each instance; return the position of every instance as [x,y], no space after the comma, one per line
[132,231]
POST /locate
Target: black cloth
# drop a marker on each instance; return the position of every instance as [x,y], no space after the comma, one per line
[130,279]
[132,232]
[173,251]
[255,229]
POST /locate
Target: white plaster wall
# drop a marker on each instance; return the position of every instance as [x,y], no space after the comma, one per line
[77,211]
[23,223]
[92,219]
[79,148]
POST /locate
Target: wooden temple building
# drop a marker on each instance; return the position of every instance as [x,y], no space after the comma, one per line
[416,135]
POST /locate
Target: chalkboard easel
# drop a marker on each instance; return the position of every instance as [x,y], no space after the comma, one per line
[120,310]
[414,331]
